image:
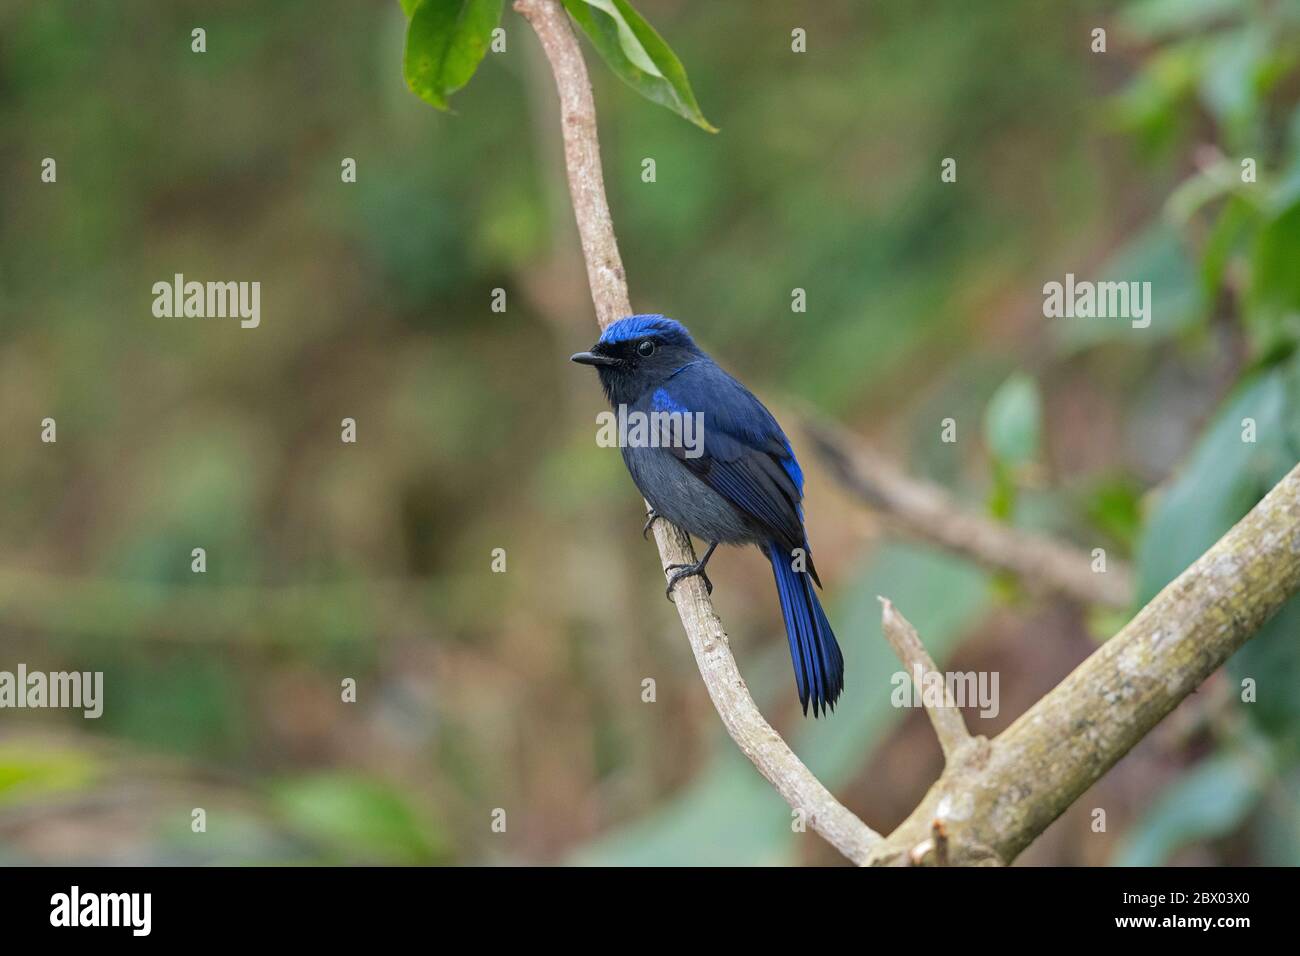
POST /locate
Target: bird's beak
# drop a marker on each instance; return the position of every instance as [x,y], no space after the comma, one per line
[591,358]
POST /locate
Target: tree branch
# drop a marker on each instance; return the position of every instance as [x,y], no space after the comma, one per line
[740,715]
[929,512]
[605,272]
[992,809]
[949,725]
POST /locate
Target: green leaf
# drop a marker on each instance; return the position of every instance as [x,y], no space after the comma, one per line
[1211,801]
[1114,506]
[1222,480]
[1271,660]
[1151,106]
[1152,19]
[1233,231]
[1013,421]
[1276,827]
[445,42]
[1273,313]
[1157,255]
[637,55]
[1201,188]
[1002,497]
[32,770]
[358,817]
[1229,83]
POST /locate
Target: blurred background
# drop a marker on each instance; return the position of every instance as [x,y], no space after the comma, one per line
[522,691]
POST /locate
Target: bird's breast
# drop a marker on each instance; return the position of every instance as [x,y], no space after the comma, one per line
[684,499]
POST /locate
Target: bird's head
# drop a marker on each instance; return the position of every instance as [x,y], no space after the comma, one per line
[638,353]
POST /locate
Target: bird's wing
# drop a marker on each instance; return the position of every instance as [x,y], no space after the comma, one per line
[744,455]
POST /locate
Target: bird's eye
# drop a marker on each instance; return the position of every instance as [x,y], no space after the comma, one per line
[646,348]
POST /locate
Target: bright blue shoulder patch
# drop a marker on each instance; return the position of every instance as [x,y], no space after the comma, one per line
[661,401]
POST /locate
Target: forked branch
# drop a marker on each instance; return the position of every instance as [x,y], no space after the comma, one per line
[993,807]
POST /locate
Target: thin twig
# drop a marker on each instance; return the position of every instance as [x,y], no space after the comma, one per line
[927,511]
[740,715]
[949,726]
[939,834]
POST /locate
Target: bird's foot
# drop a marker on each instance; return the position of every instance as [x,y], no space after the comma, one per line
[688,571]
[651,517]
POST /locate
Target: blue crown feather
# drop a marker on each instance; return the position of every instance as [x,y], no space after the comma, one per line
[646,326]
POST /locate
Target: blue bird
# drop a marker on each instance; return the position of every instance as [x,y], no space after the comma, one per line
[740,485]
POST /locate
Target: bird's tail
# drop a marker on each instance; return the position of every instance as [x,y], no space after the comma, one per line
[818,663]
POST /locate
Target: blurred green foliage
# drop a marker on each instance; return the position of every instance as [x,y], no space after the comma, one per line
[1210,801]
[358,819]
[30,772]
[1012,433]
[1246,212]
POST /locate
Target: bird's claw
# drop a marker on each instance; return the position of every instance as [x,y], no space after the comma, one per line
[651,517]
[686,571]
